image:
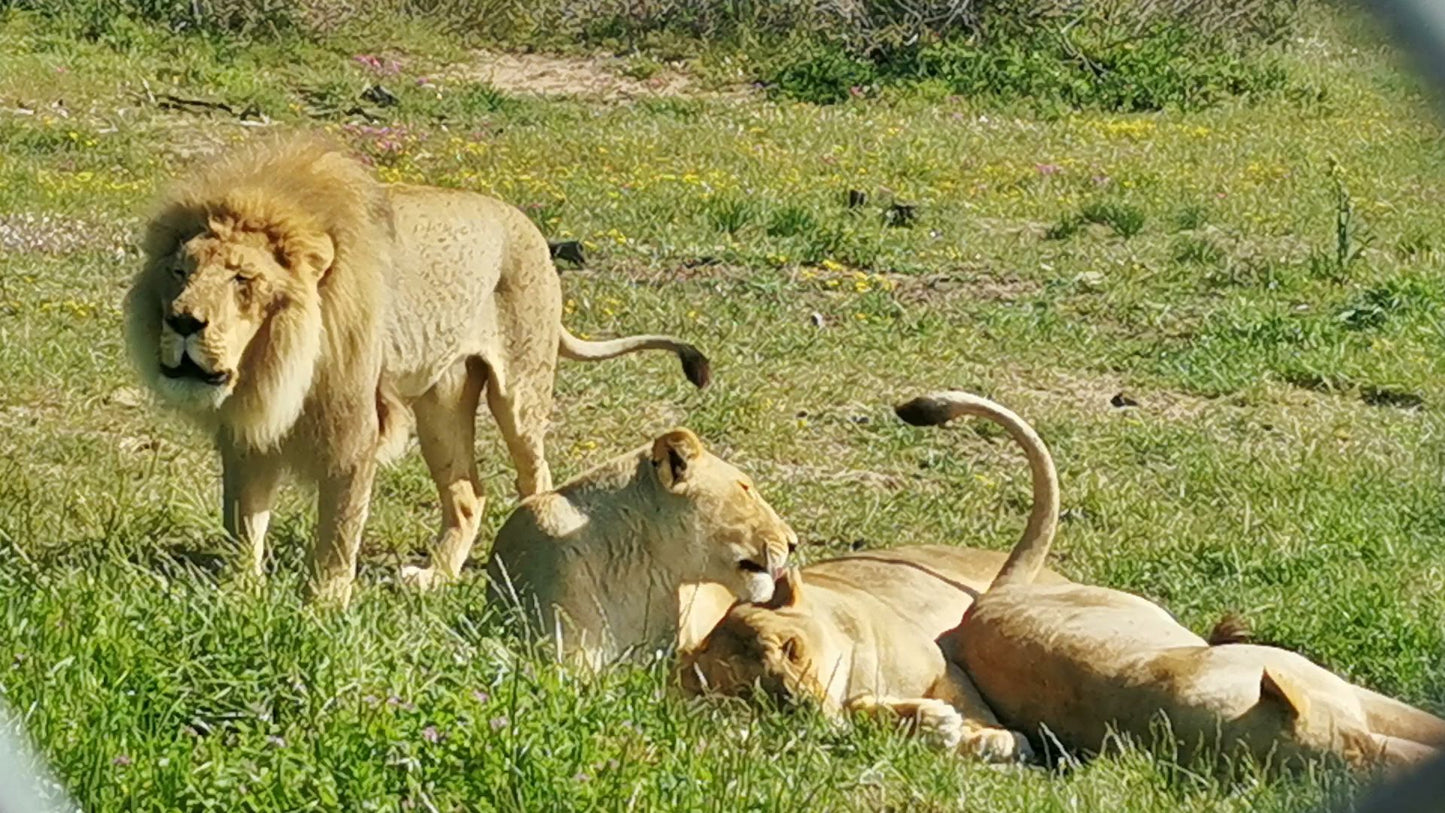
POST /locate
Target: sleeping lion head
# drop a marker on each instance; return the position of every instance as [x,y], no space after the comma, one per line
[776,647]
[231,314]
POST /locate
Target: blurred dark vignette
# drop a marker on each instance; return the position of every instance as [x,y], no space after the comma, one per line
[1421,791]
[24,784]
[1419,25]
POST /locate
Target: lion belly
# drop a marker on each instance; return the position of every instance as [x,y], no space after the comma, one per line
[464,263]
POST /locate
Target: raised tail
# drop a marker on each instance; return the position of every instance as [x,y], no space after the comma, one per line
[694,364]
[1027,559]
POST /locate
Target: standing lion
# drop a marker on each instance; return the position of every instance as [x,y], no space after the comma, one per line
[297,309]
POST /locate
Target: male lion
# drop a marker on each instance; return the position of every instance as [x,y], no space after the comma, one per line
[600,563]
[1079,660]
[861,633]
[296,308]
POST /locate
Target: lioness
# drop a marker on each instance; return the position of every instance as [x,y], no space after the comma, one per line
[297,309]
[859,632]
[600,562]
[1079,660]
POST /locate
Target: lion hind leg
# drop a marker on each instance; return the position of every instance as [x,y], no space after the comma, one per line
[446,418]
[1396,752]
[520,398]
[1390,717]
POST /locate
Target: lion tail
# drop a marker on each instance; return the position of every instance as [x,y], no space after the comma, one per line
[694,364]
[1028,556]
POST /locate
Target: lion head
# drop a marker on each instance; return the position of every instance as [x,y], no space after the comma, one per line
[261,280]
[740,540]
[776,647]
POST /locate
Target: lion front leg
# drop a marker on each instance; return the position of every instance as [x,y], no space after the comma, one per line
[980,734]
[249,482]
[344,500]
[933,719]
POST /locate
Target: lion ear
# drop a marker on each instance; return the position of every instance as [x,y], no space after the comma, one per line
[793,649]
[1281,688]
[311,255]
[673,455]
[788,591]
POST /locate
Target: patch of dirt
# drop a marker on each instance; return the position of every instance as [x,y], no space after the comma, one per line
[927,289]
[783,472]
[1103,393]
[45,233]
[594,77]
[705,269]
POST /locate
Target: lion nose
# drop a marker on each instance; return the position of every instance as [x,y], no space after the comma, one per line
[185,324]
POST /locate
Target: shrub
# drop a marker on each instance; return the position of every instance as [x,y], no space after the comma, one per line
[1120,55]
[1125,219]
[1197,251]
[730,215]
[822,74]
[1068,226]
[1110,54]
[1191,217]
[790,221]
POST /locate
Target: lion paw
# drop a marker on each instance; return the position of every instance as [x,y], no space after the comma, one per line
[937,722]
[332,593]
[422,578]
[997,745]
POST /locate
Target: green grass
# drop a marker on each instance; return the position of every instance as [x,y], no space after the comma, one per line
[1284,460]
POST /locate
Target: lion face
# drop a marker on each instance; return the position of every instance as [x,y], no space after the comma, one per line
[212,313]
[740,540]
[773,648]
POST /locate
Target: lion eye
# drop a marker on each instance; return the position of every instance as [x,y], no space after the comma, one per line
[241,279]
[745,486]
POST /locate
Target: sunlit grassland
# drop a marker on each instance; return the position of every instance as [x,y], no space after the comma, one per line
[1285,458]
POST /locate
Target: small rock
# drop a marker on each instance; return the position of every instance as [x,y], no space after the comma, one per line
[128,397]
[1122,400]
[1386,397]
[817,319]
[569,250]
[900,215]
[376,94]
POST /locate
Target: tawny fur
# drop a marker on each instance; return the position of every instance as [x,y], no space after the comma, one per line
[858,633]
[302,313]
[1080,662]
[601,562]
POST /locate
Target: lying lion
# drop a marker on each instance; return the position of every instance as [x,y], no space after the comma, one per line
[600,563]
[1079,661]
[859,632]
[297,309]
